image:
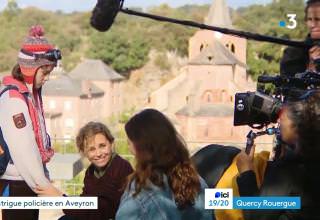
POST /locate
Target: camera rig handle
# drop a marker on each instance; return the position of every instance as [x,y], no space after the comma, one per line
[253,135]
[300,80]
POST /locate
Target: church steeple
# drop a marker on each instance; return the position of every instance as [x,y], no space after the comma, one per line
[219,15]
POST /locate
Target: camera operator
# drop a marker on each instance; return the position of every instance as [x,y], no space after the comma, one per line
[292,175]
[298,60]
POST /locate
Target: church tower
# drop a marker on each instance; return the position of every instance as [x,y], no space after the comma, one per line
[219,16]
[201,97]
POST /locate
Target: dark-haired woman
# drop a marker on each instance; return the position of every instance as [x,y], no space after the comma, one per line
[165,184]
[295,174]
[22,123]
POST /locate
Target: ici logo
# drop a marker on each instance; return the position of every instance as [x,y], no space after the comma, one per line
[221,195]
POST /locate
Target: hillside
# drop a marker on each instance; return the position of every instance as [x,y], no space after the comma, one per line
[126,47]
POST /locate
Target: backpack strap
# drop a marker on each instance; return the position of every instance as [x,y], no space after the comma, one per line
[12,87]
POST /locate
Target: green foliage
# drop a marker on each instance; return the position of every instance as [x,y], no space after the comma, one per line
[126,46]
[264,58]
[122,147]
[162,62]
[126,115]
[167,36]
[74,187]
[60,29]
[11,10]
[64,146]
[116,125]
[121,53]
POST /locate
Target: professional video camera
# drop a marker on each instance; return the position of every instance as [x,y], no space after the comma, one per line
[257,109]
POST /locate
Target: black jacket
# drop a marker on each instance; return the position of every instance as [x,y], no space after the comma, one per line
[295,60]
[286,177]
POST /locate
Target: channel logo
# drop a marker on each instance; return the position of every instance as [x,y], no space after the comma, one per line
[292,22]
[221,195]
[218,198]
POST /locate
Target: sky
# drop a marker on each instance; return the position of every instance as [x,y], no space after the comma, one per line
[87,5]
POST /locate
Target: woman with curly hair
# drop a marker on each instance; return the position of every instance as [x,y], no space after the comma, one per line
[165,184]
[105,178]
[295,173]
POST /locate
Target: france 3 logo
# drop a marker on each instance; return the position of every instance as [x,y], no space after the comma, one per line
[218,198]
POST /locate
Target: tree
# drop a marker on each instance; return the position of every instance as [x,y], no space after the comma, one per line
[12,9]
[119,51]
[264,58]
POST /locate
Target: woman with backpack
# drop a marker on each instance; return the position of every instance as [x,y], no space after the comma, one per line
[296,172]
[25,144]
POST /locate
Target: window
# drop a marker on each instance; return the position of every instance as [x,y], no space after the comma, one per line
[67,105]
[201,47]
[206,132]
[208,97]
[224,96]
[52,104]
[233,48]
[69,123]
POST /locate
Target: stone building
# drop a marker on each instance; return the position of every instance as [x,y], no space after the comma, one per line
[200,100]
[90,92]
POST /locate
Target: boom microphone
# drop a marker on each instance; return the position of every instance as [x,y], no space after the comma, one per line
[104,13]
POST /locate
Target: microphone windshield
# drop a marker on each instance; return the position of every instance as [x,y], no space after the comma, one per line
[104,13]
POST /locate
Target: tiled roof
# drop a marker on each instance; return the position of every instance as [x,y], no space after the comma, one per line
[216,54]
[63,85]
[91,69]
